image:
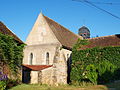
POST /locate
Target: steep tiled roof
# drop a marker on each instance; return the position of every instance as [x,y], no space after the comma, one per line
[65,36]
[37,67]
[112,40]
[6,31]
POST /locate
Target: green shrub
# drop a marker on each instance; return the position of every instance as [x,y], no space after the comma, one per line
[12,82]
[3,85]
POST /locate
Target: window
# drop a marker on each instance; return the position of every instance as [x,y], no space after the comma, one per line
[47,58]
[31,58]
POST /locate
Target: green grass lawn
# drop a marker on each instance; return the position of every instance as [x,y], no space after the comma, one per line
[62,87]
[84,86]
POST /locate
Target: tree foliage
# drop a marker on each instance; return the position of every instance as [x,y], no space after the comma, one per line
[97,65]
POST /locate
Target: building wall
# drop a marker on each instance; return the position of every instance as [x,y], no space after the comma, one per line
[44,76]
[34,77]
[54,75]
[39,54]
[41,33]
[47,76]
[61,66]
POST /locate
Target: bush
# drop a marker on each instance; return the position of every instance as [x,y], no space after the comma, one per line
[3,85]
[11,83]
[106,72]
[7,83]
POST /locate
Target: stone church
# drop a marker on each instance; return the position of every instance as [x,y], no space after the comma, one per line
[47,55]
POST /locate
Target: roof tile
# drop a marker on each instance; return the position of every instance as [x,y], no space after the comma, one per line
[6,31]
[112,40]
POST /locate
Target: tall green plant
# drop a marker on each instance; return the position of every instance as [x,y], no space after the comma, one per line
[91,73]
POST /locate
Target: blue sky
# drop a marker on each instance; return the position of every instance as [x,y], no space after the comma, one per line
[20,15]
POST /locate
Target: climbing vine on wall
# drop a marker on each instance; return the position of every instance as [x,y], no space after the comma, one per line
[97,65]
[11,52]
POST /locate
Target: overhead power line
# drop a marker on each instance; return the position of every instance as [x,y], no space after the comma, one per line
[108,3]
[86,1]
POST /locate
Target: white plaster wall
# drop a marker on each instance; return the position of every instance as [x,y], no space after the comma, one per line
[39,54]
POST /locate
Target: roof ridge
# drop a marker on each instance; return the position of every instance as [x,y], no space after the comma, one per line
[101,37]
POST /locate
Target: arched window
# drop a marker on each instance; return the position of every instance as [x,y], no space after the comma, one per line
[31,58]
[47,58]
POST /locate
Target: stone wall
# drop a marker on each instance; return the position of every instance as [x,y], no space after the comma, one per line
[34,77]
[47,76]
[62,66]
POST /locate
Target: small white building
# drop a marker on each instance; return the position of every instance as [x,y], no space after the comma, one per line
[48,51]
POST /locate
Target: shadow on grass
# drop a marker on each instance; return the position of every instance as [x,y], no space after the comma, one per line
[110,79]
[114,85]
